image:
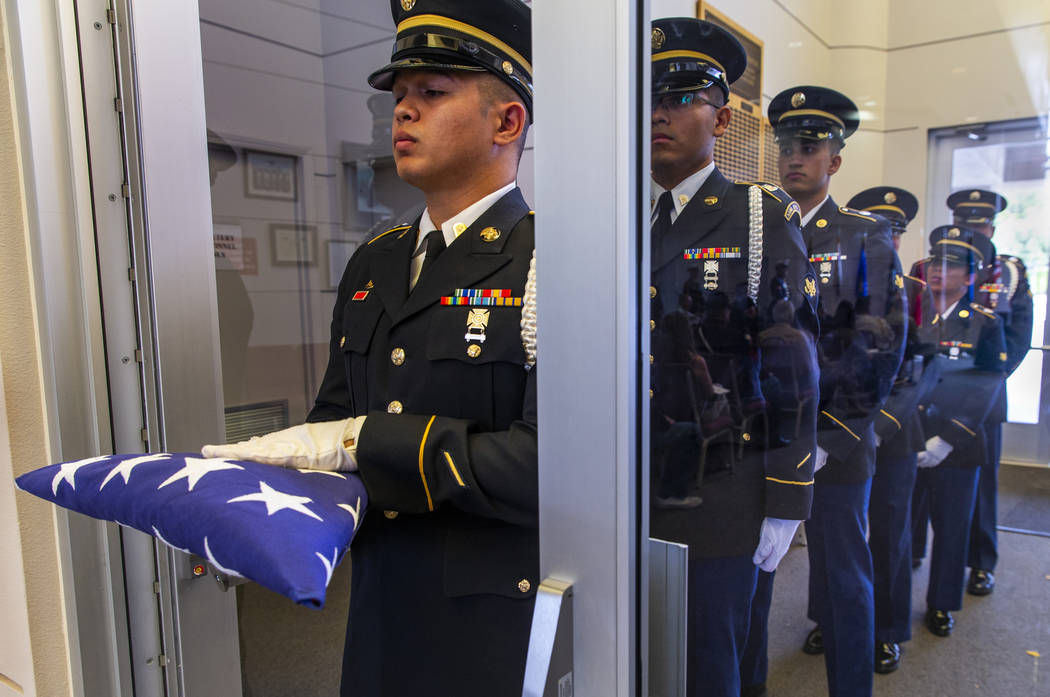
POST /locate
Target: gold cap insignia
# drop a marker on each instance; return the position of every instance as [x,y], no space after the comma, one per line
[407,5]
[810,287]
[1002,356]
[710,200]
[890,197]
[370,285]
[964,313]
[954,232]
[822,223]
[798,99]
[508,68]
[658,38]
[898,281]
[490,234]
[975,195]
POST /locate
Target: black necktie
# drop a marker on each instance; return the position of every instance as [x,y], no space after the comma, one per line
[662,224]
[435,245]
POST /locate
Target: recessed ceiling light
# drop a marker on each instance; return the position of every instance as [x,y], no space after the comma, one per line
[795,44]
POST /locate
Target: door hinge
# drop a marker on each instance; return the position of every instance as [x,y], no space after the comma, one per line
[162,660]
[145,435]
[125,190]
[156,587]
[118,104]
[111,16]
[131,274]
[138,355]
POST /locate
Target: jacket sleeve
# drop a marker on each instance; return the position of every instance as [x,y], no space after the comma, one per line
[1018,329]
[416,463]
[789,470]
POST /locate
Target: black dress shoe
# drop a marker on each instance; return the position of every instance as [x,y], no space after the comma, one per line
[887,656]
[982,582]
[939,622]
[758,690]
[814,644]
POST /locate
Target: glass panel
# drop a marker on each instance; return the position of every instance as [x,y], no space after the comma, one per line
[1016,168]
[302,174]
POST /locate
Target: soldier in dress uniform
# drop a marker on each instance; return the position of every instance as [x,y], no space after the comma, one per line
[1005,290]
[428,392]
[972,357]
[726,482]
[898,430]
[861,344]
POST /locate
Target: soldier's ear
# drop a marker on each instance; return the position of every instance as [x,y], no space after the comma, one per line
[836,162]
[722,117]
[513,120]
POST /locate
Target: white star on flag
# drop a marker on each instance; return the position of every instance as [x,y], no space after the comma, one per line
[217,565]
[277,500]
[68,470]
[355,511]
[329,566]
[125,467]
[156,533]
[196,468]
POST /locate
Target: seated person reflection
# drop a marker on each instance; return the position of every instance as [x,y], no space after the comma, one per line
[441,426]
[860,352]
[898,428]
[972,354]
[734,250]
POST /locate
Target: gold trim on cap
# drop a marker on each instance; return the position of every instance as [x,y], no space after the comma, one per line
[682,53]
[463,28]
[881,207]
[960,243]
[974,204]
[812,112]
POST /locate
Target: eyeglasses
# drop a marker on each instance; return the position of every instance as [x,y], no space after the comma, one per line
[680,100]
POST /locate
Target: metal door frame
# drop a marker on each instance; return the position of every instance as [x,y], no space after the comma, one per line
[593,518]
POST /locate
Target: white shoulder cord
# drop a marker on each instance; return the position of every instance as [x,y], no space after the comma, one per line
[754,250]
[528,315]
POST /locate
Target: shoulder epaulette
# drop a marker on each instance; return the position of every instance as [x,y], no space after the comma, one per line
[917,280]
[400,228]
[772,189]
[983,310]
[863,215]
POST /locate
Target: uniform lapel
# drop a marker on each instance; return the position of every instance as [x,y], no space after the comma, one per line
[391,264]
[704,212]
[470,258]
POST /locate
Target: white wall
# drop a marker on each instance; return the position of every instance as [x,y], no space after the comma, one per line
[910,66]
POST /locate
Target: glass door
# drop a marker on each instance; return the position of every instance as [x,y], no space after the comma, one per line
[1010,158]
[264,164]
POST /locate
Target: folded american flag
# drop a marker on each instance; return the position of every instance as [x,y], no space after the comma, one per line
[285,529]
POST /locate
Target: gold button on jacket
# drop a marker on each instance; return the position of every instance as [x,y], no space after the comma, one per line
[524,586]
[394,407]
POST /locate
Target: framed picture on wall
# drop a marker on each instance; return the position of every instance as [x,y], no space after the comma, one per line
[749,86]
[339,253]
[269,175]
[294,245]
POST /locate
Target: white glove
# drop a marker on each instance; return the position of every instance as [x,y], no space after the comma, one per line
[936,450]
[821,460]
[878,440]
[329,445]
[773,541]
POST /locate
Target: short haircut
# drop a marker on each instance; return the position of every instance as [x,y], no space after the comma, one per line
[495,91]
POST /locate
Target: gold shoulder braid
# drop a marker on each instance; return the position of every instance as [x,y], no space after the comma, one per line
[754,249]
[528,315]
